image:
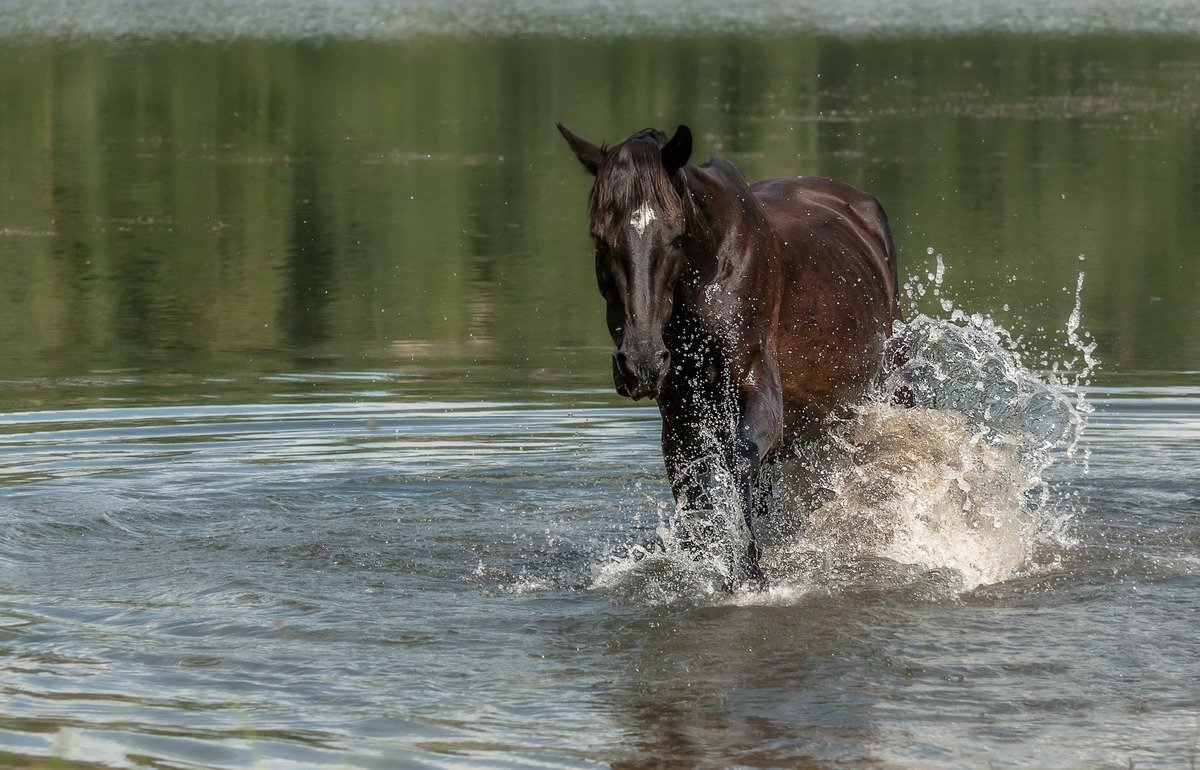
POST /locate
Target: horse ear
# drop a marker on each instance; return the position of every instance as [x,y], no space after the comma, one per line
[677,150]
[589,154]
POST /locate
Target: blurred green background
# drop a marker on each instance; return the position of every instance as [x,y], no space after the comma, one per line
[215,212]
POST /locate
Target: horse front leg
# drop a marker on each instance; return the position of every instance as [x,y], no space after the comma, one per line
[714,465]
[694,468]
[759,433]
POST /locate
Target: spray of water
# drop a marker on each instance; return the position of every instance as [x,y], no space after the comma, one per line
[945,496]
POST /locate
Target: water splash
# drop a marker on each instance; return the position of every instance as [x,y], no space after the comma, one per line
[920,502]
[917,486]
[669,568]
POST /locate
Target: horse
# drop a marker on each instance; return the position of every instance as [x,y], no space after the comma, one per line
[756,315]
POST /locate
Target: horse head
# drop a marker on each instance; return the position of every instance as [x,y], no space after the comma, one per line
[638,228]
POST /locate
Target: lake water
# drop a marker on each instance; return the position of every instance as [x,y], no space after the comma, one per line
[309,454]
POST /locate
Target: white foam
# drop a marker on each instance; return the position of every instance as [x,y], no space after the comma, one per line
[917,486]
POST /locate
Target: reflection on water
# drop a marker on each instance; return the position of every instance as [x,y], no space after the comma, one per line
[256,207]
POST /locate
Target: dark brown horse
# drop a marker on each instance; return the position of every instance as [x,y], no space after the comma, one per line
[755,314]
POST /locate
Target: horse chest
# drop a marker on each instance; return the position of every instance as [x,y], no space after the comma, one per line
[721,313]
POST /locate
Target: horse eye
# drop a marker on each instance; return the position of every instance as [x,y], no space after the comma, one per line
[677,242]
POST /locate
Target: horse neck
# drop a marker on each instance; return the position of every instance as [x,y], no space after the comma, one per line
[735,228]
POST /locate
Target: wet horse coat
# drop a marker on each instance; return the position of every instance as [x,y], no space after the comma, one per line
[754,314]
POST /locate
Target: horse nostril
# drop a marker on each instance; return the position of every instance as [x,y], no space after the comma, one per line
[622,359]
[664,356]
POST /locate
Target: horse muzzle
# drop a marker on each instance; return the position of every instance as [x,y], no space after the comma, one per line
[640,373]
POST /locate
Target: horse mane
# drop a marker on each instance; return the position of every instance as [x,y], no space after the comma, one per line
[630,175]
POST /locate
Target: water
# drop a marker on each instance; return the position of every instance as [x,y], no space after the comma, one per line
[379,582]
[309,457]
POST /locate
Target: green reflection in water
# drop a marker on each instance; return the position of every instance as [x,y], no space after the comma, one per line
[235,209]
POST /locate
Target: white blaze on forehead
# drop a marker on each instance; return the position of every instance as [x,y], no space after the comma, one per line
[642,217]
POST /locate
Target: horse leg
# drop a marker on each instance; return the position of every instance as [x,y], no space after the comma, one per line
[748,465]
[694,476]
[694,465]
[759,432]
[764,485]
[695,450]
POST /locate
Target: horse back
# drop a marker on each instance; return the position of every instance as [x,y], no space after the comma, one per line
[818,211]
